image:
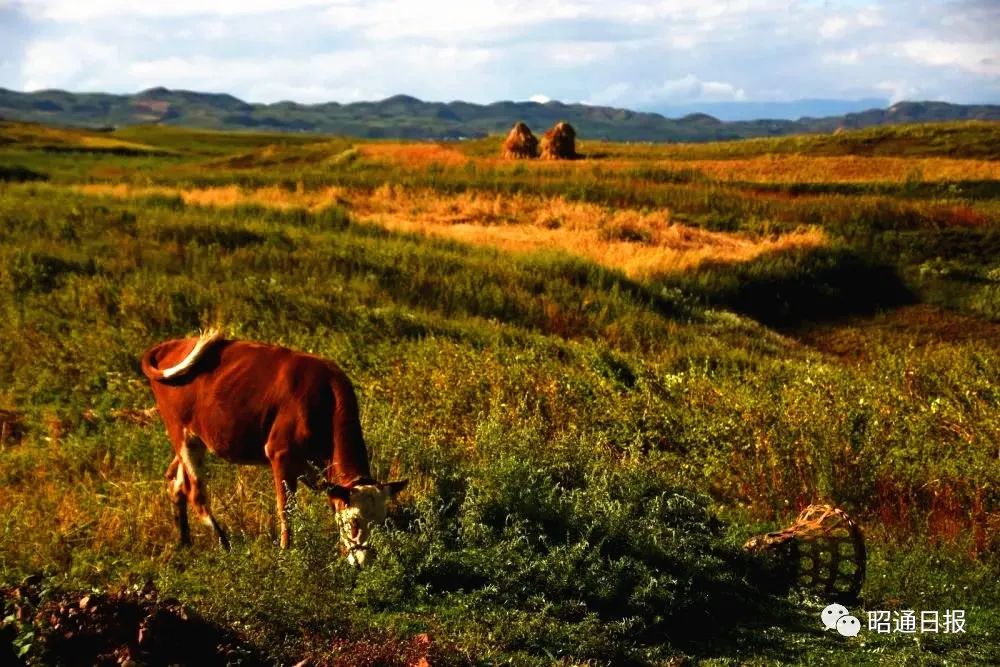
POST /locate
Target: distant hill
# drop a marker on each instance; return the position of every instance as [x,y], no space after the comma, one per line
[402,116]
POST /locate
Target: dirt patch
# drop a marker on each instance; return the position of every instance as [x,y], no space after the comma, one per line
[118,628]
[416,651]
[139,627]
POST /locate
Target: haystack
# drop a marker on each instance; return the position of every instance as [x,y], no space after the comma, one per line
[559,143]
[520,143]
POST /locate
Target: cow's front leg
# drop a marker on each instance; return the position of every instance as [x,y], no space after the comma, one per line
[285,483]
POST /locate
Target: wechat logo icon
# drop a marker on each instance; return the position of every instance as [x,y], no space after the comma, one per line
[836,617]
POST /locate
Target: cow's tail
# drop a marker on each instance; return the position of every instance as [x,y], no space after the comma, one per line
[186,364]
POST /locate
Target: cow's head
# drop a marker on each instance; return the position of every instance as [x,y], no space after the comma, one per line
[359,507]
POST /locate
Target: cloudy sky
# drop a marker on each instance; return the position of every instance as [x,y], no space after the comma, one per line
[636,54]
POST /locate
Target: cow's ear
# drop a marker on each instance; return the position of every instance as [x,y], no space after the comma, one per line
[339,492]
[392,488]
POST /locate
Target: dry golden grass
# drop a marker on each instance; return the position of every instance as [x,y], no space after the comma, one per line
[414,155]
[228,195]
[110,143]
[29,134]
[846,169]
[122,510]
[768,168]
[793,168]
[642,244]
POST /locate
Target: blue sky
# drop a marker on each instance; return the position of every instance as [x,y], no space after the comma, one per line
[645,55]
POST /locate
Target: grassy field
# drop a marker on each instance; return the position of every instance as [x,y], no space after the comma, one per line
[600,377]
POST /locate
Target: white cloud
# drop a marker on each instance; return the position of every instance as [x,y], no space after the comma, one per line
[214,30]
[575,54]
[899,90]
[981,58]
[75,10]
[386,20]
[61,63]
[870,17]
[541,99]
[317,78]
[856,56]
[832,27]
[684,41]
[612,94]
[674,91]
[839,27]
[692,89]
[849,57]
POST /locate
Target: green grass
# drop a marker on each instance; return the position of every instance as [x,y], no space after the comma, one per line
[586,452]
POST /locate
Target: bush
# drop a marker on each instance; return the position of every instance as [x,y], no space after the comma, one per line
[606,568]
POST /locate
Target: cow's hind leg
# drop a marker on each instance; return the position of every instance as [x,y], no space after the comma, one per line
[193,459]
[177,488]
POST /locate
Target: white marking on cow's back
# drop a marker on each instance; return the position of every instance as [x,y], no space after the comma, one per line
[204,340]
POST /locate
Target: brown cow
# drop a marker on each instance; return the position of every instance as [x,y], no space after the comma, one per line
[252,403]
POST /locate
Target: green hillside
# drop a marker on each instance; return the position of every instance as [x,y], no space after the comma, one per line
[587,450]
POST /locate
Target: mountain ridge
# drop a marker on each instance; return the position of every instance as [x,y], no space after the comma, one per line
[407,117]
